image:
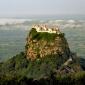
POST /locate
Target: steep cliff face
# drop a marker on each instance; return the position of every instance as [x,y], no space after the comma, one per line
[41,44]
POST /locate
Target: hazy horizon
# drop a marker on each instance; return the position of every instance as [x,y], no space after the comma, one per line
[31,8]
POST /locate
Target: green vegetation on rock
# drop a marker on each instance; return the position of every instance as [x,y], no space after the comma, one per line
[18,70]
[49,69]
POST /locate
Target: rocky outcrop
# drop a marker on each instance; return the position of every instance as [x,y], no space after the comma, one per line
[39,45]
[46,56]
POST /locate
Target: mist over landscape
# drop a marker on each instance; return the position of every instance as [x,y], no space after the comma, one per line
[13,32]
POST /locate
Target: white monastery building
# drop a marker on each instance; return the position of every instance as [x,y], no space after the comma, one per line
[44,28]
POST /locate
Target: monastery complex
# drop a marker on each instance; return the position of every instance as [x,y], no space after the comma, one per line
[45,28]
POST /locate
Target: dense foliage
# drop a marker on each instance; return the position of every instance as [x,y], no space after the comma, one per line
[20,71]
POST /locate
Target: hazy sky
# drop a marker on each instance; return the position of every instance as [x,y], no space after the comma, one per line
[41,7]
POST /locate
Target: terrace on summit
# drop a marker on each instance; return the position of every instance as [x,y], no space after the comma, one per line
[45,28]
